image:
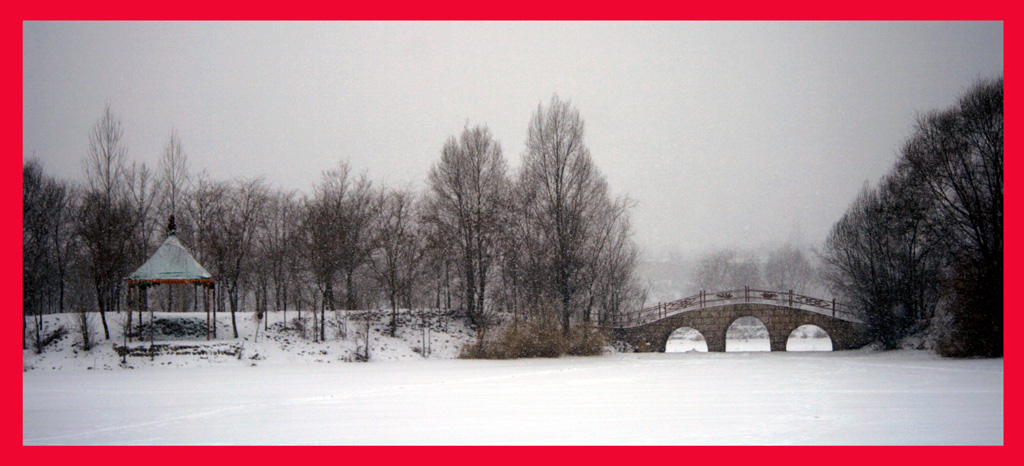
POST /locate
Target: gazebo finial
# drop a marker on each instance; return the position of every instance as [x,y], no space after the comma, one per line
[171,229]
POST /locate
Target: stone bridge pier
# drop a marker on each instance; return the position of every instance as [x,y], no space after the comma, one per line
[714,322]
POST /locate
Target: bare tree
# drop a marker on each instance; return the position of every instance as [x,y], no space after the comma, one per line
[46,203]
[957,154]
[106,221]
[437,257]
[173,178]
[564,197]
[936,216]
[205,207]
[515,259]
[107,158]
[142,194]
[787,268]
[355,234]
[467,187]
[275,248]
[245,211]
[877,256]
[614,286]
[319,236]
[174,174]
[397,259]
[106,230]
[727,269]
[337,233]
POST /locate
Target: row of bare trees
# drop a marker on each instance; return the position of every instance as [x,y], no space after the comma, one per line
[787,267]
[929,236]
[548,241]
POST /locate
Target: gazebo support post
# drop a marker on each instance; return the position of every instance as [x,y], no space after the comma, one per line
[128,321]
[206,307]
[216,301]
[143,303]
[127,329]
[152,331]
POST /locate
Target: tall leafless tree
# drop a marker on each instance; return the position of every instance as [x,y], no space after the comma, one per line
[397,258]
[566,196]
[338,232]
[107,224]
[174,173]
[46,204]
[275,247]
[247,200]
[957,154]
[467,190]
[174,178]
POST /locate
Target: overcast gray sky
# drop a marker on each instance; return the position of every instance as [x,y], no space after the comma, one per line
[726,134]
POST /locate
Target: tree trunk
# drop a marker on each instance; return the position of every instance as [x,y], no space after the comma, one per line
[233,303]
[350,296]
[101,297]
[323,321]
[469,298]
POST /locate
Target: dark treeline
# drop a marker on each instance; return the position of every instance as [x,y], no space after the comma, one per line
[548,243]
[925,246]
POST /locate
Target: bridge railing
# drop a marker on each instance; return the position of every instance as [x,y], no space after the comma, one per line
[705,299]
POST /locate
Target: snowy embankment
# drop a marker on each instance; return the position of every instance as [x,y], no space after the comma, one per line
[442,333]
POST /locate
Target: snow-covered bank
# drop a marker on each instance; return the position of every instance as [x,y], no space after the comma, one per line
[441,333]
[851,397]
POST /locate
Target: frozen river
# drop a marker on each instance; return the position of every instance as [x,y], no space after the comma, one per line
[851,397]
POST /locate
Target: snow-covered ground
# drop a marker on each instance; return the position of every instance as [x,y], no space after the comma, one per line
[843,397]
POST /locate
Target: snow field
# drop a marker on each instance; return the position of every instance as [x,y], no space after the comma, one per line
[848,397]
[285,389]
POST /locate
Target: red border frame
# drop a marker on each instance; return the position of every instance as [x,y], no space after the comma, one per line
[11,104]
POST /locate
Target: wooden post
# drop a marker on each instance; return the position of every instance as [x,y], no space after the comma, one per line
[833,307]
[151,327]
[128,320]
[790,298]
[143,296]
[746,294]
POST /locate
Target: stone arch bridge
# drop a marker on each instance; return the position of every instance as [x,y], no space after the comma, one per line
[711,314]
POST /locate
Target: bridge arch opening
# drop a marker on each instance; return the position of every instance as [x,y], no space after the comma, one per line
[747,333]
[686,339]
[809,337]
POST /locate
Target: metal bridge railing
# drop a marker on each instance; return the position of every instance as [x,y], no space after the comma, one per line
[705,299]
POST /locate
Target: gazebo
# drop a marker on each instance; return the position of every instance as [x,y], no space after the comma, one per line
[171,264]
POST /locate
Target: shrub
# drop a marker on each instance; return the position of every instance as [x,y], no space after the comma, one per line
[177,328]
[537,339]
